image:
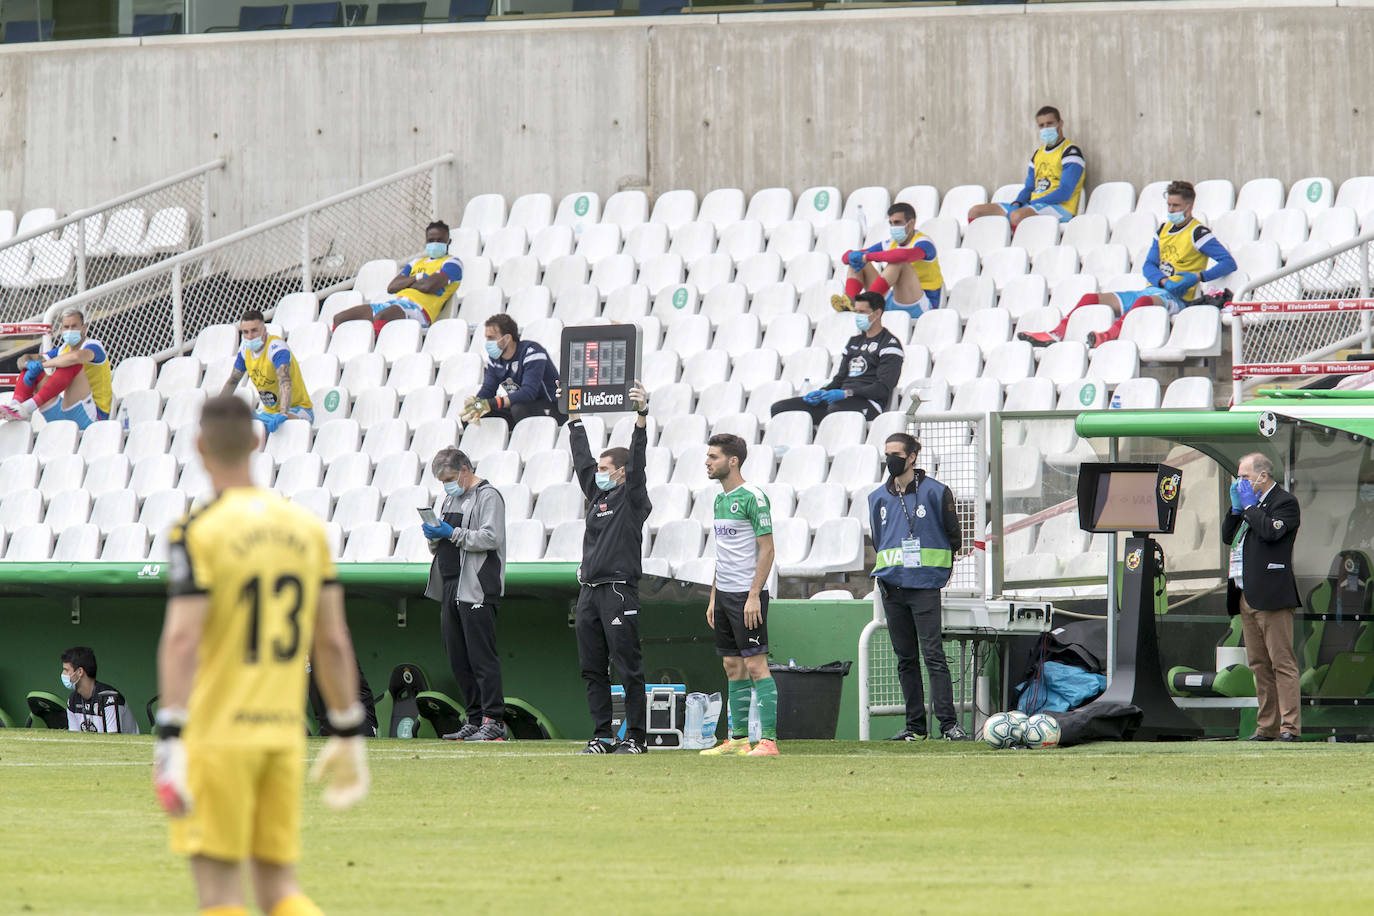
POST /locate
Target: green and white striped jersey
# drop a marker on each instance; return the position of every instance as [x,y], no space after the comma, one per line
[742,515]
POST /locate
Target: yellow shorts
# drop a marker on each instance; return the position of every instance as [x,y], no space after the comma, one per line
[246,804]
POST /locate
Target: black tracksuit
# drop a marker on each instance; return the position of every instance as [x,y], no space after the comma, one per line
[607,618]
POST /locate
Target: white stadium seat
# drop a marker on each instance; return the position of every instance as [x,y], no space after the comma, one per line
[1111,200]
[626,209]
[578,210]
[962,198]
[770,207]
[722,206]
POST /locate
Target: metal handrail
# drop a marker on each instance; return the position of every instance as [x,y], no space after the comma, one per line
[112,203]
[195,254]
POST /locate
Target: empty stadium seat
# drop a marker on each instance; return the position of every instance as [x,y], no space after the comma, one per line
[127,543]
[1189,392]
[1111,200]
[1135,394]
[962,198]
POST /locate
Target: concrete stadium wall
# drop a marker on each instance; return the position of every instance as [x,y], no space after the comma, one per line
[893,97]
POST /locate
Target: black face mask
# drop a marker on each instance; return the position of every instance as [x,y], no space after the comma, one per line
[896,465]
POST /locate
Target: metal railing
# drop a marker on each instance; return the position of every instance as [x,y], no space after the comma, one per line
[158,311]
[98,244]
[1341,272]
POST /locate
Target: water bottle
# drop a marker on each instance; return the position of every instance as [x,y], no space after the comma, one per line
[124,417]
[696,714]
[1116,402]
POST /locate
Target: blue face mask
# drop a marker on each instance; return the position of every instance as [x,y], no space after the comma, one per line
[1048,135]
[68,682]
[454,488]
[436,249]
[493,349]
[898,233]
[1175,218]
[603,480]
[254,344]
[71,338]
[862,321]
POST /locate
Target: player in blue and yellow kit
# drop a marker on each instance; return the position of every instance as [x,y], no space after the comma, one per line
[1176,268]
[79,388]
[269,363]
[1054,178]
[421,289]
[904,270]
[251,592]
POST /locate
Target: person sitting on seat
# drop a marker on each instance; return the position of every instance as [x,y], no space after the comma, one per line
[80,370]
[870,366]
[274,371]
[1176,266]
[421,289]
[903,270]
[93,706]
[1054,179]
[521,379]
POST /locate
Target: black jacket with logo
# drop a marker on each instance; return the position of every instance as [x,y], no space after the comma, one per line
[615,517]
[870,368]
[1267,555]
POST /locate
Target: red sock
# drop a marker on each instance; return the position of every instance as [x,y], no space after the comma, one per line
[54,386]
[880,286]
[378,324]
[852,287]
[1089,299]
[1112,333]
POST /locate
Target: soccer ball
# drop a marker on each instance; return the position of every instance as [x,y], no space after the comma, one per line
[997,731]
[1018,726]
[1041,732]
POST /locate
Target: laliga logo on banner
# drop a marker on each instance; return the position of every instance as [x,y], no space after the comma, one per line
[1133,559]
[574,398]
[1168,488]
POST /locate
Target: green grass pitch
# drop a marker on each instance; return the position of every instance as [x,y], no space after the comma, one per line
[829,827]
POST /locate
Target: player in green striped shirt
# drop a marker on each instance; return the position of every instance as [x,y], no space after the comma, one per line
[739,602]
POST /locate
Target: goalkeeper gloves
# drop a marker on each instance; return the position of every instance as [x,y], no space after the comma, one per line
[476,409]
[342,764]
[169,763]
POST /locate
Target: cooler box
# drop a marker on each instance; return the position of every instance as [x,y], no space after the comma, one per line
[667,711]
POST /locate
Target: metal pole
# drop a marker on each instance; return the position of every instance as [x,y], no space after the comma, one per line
[307,283]
[1366,324]
[1237,385]
[434,190]
[178,329]
[81,256]
[204,208]
[1111,584]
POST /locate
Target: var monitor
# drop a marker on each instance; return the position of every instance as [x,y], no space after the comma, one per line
[600,364]
[1118,496]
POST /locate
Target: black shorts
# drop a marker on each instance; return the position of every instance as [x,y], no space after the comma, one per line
[732,636]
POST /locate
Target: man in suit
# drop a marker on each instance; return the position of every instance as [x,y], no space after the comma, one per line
[1261,528]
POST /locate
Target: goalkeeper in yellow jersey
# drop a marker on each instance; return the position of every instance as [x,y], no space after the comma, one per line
[251,592]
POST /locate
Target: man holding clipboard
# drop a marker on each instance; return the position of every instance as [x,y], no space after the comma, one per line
[468,578]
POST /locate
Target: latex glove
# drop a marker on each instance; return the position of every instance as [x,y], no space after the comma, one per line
[813,397]
[32,370]
[639,398]
[1248,496]
[1235,497]
[271,420]
[442,531]
[832,395]
[855,259]
[476,409]
[1186,281]
[342,764]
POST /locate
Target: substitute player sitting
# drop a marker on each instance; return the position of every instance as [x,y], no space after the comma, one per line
[738,609]
[1054,178]
[252,590]
[276,375]
[80,370]
[420,290]
[1176,267]
[904,270]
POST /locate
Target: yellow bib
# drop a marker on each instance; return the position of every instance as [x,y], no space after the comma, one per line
[1177,254]
[432,303]
[928,272]
[263,374]
[98,377]
[1049,171]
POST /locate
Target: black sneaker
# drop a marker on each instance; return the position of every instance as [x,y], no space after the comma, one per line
[954,733]
[464,733]
[599,746]
[630,746]
[908,735]
[490,730]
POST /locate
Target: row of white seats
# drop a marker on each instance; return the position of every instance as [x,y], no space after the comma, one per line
[51,259]
[486,214]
